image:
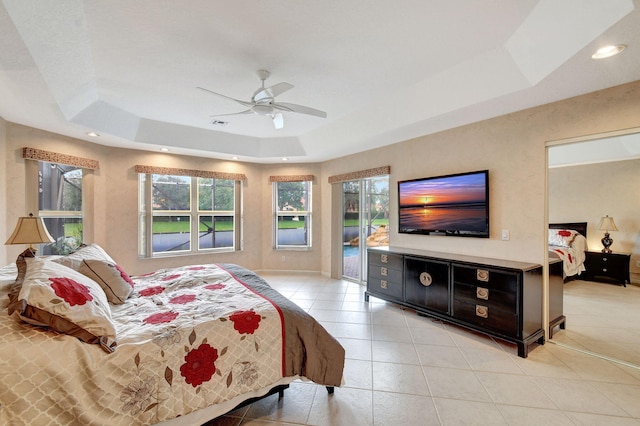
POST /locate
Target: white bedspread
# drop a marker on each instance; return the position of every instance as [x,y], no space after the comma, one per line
[573,257]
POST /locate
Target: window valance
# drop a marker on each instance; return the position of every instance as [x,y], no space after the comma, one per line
[291,178]
[362,174]
[54,157]
[189,172]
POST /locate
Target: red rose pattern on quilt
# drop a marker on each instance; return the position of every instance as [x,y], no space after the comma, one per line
[178,351]
[214,338]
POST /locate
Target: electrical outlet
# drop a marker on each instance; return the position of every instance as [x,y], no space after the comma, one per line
[283,258]
[505,235]
[637,263]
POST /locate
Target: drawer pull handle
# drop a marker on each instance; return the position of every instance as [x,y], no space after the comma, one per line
[482,311]
[604,259]
[482,275]
[383,284]
[426,279]
[482,293]
[384,258]
[384,272]
[604,269]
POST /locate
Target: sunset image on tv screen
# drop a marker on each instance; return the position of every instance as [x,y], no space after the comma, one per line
[455,204]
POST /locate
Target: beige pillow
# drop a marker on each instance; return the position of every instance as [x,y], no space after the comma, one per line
[117,285]
[66,301]
[91,251]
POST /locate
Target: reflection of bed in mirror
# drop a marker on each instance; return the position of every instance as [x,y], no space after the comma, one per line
[567,247]
[568,241]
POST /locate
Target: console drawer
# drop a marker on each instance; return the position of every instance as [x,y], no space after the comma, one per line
[388,260]
[486,277]
[384,287]
[486,296]
[486,316]
[385,273]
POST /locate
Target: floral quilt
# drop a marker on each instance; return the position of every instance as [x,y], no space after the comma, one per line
[187,338]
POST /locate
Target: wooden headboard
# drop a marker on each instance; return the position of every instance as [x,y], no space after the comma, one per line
[581,227]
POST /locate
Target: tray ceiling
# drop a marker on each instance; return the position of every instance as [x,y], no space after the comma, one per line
[129,70]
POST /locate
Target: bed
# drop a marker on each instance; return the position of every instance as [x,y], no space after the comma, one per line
[85,343]
[568,242]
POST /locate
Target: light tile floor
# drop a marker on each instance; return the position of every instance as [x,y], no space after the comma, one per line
[404,369]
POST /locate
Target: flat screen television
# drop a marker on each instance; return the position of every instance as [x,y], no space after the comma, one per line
[455,205]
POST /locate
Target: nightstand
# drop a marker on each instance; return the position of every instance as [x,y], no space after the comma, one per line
[608,267]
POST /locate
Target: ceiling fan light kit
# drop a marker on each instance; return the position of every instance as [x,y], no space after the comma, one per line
[263,102]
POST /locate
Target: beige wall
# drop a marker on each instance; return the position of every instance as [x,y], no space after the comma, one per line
[6,225]
[512,147]
[290,259]
[112,200]
[515,178]
[588,192]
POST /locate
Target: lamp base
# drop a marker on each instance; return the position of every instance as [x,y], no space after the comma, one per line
[606,242]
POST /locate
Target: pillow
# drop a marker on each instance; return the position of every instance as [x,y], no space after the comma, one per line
[66,301]
[92,251]
[14,291]
[562,237]
[117,285]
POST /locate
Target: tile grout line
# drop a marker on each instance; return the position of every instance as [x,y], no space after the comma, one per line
[586,352]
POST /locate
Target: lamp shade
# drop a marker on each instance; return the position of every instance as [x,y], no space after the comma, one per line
[607,224]
[30,230]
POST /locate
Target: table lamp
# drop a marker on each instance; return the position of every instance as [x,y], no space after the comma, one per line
[607,224]
[30,230]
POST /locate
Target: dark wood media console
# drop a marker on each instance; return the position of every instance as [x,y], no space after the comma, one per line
[497,297]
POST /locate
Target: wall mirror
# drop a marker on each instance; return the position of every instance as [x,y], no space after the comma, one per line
[588,178]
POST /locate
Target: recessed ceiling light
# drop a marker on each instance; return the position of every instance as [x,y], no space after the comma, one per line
[234,157]
[164,149]
[285,159]
[93,134]
[608,51]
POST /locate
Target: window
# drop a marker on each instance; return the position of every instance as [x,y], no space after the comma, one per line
[183,214]
[216,203]
[292,206]
[60,205]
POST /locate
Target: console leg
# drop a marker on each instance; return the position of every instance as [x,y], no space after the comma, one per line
[330,389]
[523,350]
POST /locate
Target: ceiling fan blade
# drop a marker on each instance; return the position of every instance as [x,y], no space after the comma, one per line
[249,111]
[283,106]
[278,120]
[271,92]
[245,103]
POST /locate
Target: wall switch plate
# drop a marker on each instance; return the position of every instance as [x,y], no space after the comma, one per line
[505,235]
[637,263]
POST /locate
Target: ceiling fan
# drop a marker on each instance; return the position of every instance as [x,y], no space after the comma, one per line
[263,102]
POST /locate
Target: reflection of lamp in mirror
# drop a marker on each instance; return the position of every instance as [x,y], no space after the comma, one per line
[30,230]
[607,224]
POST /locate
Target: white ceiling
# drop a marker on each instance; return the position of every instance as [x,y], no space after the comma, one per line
[384,72]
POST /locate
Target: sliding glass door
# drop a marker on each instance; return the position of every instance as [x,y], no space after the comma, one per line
[365,207]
